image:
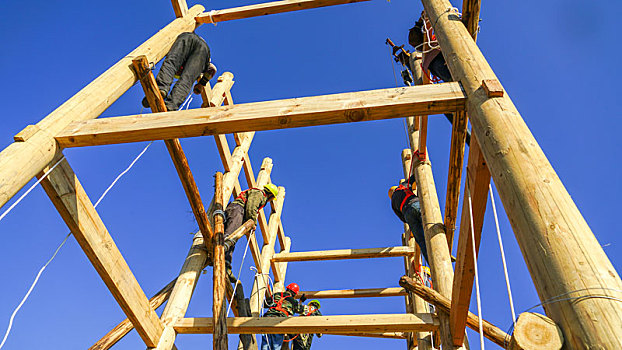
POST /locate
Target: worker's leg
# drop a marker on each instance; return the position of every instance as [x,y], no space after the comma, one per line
[174,60]
[438,67]
[272,341]
[194,66]
[233,220]
[412,214]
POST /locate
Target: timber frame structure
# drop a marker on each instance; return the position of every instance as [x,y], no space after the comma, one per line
[560,250]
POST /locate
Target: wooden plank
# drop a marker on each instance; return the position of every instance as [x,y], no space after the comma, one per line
[219,281]
[354,293]
[76,209]
[387,335]
[456,162]
[341,254]
[182,291]
[264,9]
[492,87]
[21,161]
[492,332]
[314,324]
[125,326]
[156,102]
[180,7]
[269,115]
[560,250]
[282,267]
[478,180]
[470,16]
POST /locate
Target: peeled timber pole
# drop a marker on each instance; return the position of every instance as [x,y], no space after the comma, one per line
[220,278]
[22,160]
[560,250]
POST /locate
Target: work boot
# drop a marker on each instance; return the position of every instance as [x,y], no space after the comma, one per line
[229,272]
[146,102]
[229,243]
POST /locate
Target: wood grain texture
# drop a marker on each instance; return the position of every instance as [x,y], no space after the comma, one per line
[180,7]
[220,280]
[314,324]
[560,250]
[478,180]
[493,333]
[456,163]
[267,8]
[354,293]
[341,254]
[76,209]
[269,115]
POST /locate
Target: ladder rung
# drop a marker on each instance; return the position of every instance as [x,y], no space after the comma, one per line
[355,293]
[345,254]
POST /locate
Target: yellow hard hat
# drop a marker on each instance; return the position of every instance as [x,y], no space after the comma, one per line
[272,189]
[391,190]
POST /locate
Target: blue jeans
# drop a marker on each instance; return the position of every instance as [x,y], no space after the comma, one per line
[412,214]
[272,341]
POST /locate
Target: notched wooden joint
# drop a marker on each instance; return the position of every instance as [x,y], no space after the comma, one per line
[492,87]
[26,133]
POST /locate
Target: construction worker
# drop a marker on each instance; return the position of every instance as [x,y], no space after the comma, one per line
[433,59]
[405,204]
[303,341]
[188,58]
[245,207]
[283,304]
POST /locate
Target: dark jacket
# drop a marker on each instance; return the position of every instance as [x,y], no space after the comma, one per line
[303,341]
[398,198]
[282,305]
[251,200]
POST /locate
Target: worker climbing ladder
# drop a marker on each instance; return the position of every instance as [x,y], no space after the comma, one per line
[552,234]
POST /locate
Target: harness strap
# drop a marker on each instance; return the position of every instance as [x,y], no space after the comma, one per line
[409,193]
[244,198]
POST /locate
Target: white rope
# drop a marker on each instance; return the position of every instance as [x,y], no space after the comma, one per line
[237,280]
[211,19]
[187,102]
[30,189]
[505,266]
[34,283]
[479,299]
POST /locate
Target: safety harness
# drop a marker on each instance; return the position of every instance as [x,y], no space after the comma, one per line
[278,306]
[311,311]
[409,193]
[244,198]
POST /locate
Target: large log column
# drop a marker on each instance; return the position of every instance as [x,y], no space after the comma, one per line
[561,252]
[21,161]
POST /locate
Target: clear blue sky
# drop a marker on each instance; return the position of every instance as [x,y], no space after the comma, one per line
[556,59]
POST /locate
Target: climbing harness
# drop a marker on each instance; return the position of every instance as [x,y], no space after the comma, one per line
[244,198]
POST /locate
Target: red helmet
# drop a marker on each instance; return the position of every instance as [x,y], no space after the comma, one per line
[293,287]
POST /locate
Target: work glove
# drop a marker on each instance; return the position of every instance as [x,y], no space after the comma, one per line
[303,298]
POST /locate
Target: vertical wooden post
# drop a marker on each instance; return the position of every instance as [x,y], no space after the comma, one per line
[220,279]
[456,159]
[561,252]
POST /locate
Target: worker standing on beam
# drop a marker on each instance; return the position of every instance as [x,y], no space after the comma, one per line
[406,206]
[245,207]
[283,304]
[303,341]
[188,58]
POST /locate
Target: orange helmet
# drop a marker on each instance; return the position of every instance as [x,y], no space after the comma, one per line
[293,287]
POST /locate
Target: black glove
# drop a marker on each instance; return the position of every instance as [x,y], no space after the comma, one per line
[303,298]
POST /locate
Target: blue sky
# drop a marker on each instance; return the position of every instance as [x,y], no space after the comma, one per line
[556,59]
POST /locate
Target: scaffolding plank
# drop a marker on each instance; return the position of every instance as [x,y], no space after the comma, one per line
[342,254]
[355,293]
[350,324]
[269,115]
[268,8]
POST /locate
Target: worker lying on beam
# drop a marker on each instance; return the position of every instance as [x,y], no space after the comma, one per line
[406,206]
[433,59]
[283,304]
[245,207]
[303,341]
[188,59]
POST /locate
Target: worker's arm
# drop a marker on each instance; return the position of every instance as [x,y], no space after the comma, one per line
[415,35]
[254,200]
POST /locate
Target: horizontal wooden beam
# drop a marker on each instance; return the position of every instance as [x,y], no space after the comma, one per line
[264,9]
[269,115]
[314,324]
[342,254]
[388,335]
[354,293]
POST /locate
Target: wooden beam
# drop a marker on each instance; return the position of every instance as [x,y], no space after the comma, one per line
[279,286]
[21,161]
[267,8]
[219,281]
[456,162]
[478,180]
[354,293]
[342,254]
[156,102]
[492,332]
[182,291]
[314,324]
[470,16]
[559,247]
[76,209]
[123,328]
[387,335]
[180,7]
[269,115]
